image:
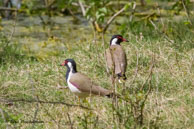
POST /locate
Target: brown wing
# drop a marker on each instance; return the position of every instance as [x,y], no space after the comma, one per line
[84,84]
[109,62]
[119,58]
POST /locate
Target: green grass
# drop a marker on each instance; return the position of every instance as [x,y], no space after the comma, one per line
[169,104]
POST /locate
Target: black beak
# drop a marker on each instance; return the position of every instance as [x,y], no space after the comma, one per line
[124,40]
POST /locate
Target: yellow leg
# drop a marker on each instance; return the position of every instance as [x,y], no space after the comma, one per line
[79,100]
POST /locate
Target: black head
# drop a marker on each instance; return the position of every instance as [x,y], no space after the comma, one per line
[117,39]
[70,64]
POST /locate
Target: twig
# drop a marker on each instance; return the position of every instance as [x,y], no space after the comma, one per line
[42,102]
[133,11]
[186,12]
[76,4]
[47,112]
[156,28]
[42,20]
[149,76]
[82,8]
[50,4]
[8,9]
[136,70]
[72,14]
[70,122]
[84,12]
[31,122]
[143,103]
[61,87]
[149,90]
[35,115]
[96,121]
[112,18]
[13,30]
[37,98]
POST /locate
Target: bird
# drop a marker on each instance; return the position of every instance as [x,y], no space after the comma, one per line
[116,57]
[80,84]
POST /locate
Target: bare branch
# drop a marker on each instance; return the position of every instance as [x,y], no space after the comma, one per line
[37,98]
[112,18]
[31,122]
[82,8]
[187,13]
[13,30]
[72,14]
[156,28]
[137,66]
[148,92]
[8,9]
[42,102]
[70,121]
[133,11]
[76,4]
[149,76]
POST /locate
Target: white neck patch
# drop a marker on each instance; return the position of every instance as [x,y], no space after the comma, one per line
[70,66]
[114,41]
[71,86]
[70,72]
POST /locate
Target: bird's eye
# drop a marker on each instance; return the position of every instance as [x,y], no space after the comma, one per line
[66,61]
[119,37]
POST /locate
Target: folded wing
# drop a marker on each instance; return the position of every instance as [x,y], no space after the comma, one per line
[117,55]
[84,84]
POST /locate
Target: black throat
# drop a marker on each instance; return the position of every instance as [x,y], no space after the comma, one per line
[74,70]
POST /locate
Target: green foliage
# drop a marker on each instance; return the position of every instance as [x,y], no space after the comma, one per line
[97,10]
[179,5]
[61,4]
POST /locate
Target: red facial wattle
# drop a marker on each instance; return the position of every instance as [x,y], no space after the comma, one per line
[64,63]
[123,40]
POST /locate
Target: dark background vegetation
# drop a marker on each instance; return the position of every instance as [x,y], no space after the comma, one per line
[37,35]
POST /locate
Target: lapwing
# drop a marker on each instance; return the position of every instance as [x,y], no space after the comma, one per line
[80,84]
[116,57]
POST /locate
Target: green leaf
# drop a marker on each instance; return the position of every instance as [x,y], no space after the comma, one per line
[127,6]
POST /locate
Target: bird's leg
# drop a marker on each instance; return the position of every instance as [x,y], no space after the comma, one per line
[121,78]
[79,100]
[124,77]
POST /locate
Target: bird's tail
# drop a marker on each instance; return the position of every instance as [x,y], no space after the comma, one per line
[113,95]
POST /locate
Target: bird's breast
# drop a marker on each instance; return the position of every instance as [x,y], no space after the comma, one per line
[73,87]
